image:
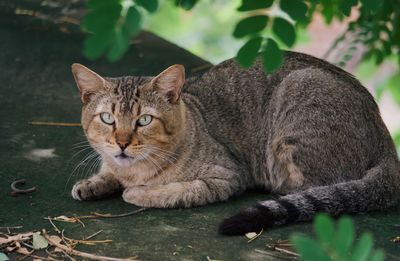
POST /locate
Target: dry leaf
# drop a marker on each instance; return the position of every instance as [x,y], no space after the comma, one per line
[39,242]
[56,239]
[250,235]
[3,257]
[253,235]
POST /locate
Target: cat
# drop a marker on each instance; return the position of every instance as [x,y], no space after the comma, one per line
[308,132]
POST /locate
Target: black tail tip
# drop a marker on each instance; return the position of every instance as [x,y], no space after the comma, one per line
[242,223]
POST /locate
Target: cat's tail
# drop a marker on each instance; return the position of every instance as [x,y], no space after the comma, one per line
[378,189]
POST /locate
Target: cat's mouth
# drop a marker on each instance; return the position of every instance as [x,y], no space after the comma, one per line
[122,155]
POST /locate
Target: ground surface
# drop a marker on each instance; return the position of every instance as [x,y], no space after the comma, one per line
[36,85]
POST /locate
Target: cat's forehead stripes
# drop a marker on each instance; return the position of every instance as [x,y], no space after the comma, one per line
[127,91]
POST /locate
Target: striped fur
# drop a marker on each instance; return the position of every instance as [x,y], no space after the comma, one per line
[309,132]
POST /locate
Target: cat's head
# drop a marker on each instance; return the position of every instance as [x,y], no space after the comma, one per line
[127,119]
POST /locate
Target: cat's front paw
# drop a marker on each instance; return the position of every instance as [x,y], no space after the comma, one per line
[87,190]
[137,196]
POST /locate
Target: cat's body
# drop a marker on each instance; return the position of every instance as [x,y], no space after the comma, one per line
[309,130]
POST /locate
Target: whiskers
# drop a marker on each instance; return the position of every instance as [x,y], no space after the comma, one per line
[158,158]
[89,163]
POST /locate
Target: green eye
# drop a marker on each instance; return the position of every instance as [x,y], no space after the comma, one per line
[107,118]
[145,120]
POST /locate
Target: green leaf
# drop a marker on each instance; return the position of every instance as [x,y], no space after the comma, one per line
[324,229]
[119,46]
[249,5]
[186,4]
[249,51]
[272,56]
[308,248]
[250,25]
[3,257]
[132,21]
[284,30]
[96,44]
[103,19]
[394,87]
[344,237]
[378,255]
[150,5]
[296,9]
[346,6]
[363,248]
[39,242]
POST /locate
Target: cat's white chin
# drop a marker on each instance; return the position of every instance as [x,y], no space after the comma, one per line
[124,162]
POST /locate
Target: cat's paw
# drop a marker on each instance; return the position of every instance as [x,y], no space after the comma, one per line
[86,190]
[137,196]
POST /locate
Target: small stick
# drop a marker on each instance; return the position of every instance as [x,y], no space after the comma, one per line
[79,253]
[118,215]
[79,221]
[14,227]
[54,226]
[271,254]
[93,235]
[34,256]
[286,251]
[19,237]
[255,237]
[21,191]
[59,124]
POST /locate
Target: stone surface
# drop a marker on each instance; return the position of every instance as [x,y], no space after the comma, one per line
[36,85]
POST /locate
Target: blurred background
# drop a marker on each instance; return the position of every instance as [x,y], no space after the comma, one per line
[205,27]
[207,32]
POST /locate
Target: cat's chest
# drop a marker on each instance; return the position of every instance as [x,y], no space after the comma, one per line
[143,174]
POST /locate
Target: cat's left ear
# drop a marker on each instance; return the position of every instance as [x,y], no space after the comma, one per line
[88,81]
[170,82]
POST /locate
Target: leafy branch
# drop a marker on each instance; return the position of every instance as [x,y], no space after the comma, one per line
[267,26]
[336,244]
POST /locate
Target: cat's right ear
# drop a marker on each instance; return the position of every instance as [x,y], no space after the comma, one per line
[88,81]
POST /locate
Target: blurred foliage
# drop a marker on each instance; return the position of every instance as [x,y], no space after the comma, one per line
[336,244]
[113,22]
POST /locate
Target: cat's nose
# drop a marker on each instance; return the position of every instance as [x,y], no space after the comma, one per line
[123,144]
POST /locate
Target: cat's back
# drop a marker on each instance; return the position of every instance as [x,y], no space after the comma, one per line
[239,104]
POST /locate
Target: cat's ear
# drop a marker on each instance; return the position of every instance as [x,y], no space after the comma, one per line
[170,82]
[88,82]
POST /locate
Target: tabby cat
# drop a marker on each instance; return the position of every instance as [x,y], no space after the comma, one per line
[309,132]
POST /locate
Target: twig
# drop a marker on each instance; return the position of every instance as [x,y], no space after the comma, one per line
[19,237]
[21,191]
[97,215]
[255,237]
[286,251]
[79,253]
[59,124]
[272,254]
[54,226]
[93,235]
[79,221]
[34,256]
[8,228]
